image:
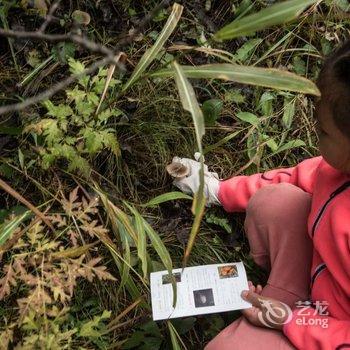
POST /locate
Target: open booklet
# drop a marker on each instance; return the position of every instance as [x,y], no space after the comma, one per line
[200,290]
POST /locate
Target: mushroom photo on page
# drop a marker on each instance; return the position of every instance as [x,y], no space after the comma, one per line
[200,290]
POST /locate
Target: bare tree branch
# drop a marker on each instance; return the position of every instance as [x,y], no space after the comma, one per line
[6,187]
[56,88]
[75,38]
[49,16]
[110,56]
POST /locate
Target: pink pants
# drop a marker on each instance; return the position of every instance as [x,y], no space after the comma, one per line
[276,227]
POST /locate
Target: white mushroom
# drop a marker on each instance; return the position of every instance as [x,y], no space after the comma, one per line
[81,17]
[177,170]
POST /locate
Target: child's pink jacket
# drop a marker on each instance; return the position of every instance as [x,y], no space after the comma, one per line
[329,227]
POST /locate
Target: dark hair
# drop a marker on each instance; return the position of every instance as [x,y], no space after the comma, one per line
[334,83]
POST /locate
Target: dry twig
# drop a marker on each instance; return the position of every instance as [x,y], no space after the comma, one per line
[7,188]
[49,16]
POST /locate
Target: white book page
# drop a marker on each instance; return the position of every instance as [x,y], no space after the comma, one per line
[200,290]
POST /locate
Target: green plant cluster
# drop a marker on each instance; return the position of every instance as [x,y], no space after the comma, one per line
[72,130]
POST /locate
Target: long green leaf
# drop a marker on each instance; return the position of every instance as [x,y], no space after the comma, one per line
[163,254]
[290,145]
[119,260]
[198,208]
[125,268]
[143,226]
[8,228]
[190,103]
[174,336]
[248,117]
[142,240]
[273,15]
[267,77]
[121,217]
[158,246]
[221,142]
[142,245]
[152,53]
[170,196]
[130,283]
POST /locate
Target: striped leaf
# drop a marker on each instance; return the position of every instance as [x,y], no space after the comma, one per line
[114,215]
[190,103]
[273,15]
[142,240]
[170,196]
[152,53]
[267,77]
[8,228]
[125,267]
[174,336]
[163,254]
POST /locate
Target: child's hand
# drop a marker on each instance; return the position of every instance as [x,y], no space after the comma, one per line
[190,183]
[265,312]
